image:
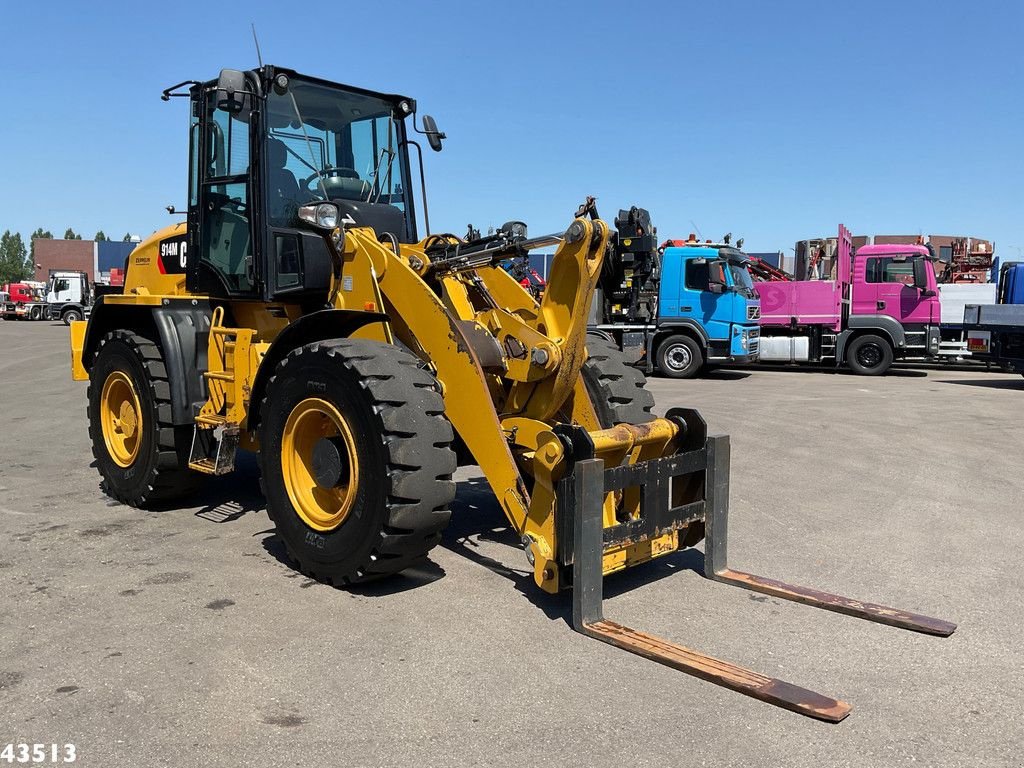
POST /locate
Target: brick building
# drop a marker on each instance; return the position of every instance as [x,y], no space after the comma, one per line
[93,258]
[71,255]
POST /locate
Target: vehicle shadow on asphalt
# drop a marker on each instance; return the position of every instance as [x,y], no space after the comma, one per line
[725,374]
[230,497]
[909,373]
[477,517]
[990,383]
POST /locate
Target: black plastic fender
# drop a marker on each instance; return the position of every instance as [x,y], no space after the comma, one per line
[182,329]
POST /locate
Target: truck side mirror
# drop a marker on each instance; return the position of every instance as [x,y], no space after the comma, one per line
[434,136]
[921,274]
[231,91]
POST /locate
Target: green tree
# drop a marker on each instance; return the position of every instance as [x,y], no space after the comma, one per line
[13,258]
[39,234]
[101,237]
[127,237]
[70,234]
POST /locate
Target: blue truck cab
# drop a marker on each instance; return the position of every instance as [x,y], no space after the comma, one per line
[707,307]
[678,308]
[1011,283]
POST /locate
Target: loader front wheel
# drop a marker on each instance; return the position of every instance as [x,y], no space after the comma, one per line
[142,457]
[355,452]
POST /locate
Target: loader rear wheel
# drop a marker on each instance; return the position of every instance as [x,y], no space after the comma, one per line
[617,389]
[355,452]
[141,456]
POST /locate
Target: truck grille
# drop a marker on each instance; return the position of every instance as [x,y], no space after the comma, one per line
[754,313]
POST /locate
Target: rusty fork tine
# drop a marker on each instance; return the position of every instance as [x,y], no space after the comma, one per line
[870,611]
[588,617]
[716,559]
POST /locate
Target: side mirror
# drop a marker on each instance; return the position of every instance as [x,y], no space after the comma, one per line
[921,274]
[434,136]
[231,91]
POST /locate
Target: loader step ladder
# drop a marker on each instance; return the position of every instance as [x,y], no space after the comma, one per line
[215,440]
[591,482]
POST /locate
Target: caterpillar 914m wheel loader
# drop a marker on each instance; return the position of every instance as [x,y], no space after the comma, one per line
[297,313]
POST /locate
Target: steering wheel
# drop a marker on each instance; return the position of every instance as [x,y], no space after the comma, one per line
[330,171]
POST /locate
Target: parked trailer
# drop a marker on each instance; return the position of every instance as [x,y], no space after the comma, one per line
[862,309]
[995,334]
[954,299]
[679,308]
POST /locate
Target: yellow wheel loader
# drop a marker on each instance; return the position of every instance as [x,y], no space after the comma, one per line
[298,313]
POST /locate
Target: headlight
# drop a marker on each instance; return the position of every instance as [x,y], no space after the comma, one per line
[322,215]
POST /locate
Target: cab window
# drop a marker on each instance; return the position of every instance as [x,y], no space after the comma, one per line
[886,269]
[697,275]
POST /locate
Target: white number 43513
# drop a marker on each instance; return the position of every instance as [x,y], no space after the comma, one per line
[38,753]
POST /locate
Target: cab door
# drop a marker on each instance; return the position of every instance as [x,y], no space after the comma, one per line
[890,281]
[222,241]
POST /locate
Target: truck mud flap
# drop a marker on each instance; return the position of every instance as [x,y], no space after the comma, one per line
[591,482]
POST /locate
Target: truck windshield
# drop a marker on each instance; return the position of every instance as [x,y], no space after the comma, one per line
[741,279]
[333,143]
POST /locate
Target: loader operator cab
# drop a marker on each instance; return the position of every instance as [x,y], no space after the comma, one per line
[267,147]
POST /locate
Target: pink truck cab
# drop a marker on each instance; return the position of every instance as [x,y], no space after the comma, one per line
[863,309]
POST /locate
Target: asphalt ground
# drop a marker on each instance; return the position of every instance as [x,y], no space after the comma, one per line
[184,638]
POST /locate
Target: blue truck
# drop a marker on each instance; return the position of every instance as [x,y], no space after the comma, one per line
[677,309]
[995,332]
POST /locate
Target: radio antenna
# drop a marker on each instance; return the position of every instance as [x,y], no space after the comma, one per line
[259,56]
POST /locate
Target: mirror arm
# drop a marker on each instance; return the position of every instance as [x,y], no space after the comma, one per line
[423,178]
[167,93]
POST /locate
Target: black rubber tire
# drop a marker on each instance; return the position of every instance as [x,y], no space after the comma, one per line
[669,347]
[160,472]
[878,352]
[402,438]
[617,389]
[71,314]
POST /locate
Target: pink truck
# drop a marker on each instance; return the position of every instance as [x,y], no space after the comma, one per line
[864,308]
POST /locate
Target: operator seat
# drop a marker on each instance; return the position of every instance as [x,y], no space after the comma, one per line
[283,190]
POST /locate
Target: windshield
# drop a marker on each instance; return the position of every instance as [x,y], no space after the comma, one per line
[329,143]
[741,278]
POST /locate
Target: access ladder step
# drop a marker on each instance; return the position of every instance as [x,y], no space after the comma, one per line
[213,450]
[740,679]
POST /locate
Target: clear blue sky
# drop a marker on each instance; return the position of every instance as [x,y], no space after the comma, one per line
[775,120]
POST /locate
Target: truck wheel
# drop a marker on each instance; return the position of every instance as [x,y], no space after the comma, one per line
[71,314]
[356,459]
[680,357]
[617,389]
[142,457]
[869,355]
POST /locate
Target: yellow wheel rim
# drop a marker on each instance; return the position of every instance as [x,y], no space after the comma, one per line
[121,418]
[312,420]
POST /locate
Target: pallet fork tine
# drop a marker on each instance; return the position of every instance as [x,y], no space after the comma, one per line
[716,563]
[589,489]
